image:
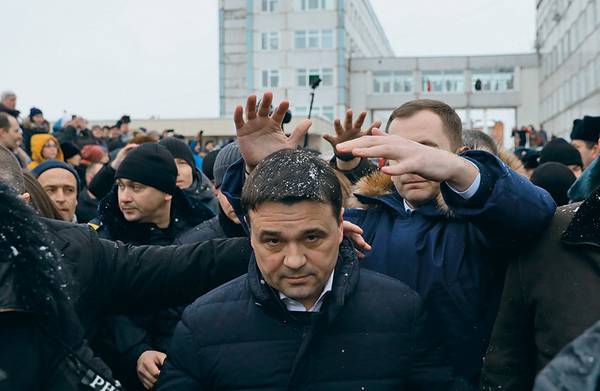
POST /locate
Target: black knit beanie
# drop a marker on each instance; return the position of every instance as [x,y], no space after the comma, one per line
[152,165]
[556,179]
[69,150]
[180,150]
[559,150]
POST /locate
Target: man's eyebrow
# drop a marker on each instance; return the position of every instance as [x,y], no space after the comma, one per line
[270,233]
[313,230]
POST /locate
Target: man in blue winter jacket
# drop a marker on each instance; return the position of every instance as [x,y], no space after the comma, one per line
[444,224]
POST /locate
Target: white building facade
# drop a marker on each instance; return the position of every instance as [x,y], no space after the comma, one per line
[568,41]
[280,45]
[482,89]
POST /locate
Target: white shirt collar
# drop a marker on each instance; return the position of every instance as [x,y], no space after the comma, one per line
[293,305]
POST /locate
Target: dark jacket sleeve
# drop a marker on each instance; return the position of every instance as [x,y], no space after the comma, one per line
[364,168]
[120,277]
[178,372]
[102,182]
[507,208]
[509,363]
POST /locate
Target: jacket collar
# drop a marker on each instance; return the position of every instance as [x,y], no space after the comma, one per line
[378,189]
[344,282]
[183,217]
[584,227]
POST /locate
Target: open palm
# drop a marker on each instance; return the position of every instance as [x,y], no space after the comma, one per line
[260,134]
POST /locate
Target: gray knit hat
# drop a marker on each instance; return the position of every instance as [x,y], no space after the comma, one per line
[225,158]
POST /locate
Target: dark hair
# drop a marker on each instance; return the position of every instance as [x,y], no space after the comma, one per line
[39,199]
[290,176]
[588,144]
[4,121]
[478,140]
[450,120]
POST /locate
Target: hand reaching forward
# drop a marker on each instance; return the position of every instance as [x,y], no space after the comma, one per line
[349,131]
[261,135]
[409,157]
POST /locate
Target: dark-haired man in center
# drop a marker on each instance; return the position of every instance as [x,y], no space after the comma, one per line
[442,223]
[311,319]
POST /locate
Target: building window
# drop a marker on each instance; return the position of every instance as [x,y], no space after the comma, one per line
[314,5]
[313,39]
[268,5]
[270,78]
[387,82]
[269,40]
[327,77]
[317,111]
[303,76]
[300,39]
[443,81]
[327,112]
[493,79]
[327,39]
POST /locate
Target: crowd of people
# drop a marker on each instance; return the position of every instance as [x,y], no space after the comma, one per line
[135,260]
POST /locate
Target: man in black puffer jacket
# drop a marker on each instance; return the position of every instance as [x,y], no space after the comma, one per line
[311,318]
[145,207]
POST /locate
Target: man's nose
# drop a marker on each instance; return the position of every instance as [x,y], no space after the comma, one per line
[294,257]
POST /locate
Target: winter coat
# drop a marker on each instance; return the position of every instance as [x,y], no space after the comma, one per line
[37,145]
[43,345]
[550,297]
[29,129]
[71,134]
[86,207]
[586,183]
[201,193]
[219,227]
[577,367]
[14,113]
[129,336]
[451,251]
[369,334]
[114,278]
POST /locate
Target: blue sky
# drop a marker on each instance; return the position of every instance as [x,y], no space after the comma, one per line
[151,57]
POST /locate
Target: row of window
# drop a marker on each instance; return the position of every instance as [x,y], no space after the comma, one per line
[303,39]
[270,77]
[579,86]
[387,82]
[323,111]
[300,5]
[587,21]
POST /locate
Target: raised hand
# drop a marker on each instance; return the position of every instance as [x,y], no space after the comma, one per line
[260,134]
[408,157]
[349,131]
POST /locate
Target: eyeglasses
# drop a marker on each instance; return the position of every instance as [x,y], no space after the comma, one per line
[50,146]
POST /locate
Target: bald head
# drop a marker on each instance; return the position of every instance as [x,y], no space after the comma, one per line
[10,170]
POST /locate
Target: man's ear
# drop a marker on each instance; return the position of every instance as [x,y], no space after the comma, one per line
[462,149]
[168,197]
[26,197]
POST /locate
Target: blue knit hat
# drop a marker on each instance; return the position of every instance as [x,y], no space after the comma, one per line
[50,164]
